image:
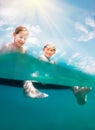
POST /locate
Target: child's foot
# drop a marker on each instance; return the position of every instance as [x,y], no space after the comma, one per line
[31,91]
[81,94]
[36,94]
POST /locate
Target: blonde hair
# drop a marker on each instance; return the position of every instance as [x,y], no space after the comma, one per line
[50,46]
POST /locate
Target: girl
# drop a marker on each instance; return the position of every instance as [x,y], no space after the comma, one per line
[20,36]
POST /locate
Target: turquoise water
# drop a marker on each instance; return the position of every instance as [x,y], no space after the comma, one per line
[22,67]
[60,111]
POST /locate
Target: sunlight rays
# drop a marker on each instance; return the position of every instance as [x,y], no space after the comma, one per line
[49,14]
[53,16]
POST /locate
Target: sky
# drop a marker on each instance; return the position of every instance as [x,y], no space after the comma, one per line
[69,24]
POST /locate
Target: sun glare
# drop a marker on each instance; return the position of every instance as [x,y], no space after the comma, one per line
[35,3]
[46,12]
[43,9]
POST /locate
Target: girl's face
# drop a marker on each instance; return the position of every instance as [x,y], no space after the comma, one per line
[49,51]
[20,38]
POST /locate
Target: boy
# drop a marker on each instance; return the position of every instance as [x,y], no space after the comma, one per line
[80,92]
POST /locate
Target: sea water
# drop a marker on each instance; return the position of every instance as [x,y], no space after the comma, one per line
[60,111]
[23,66]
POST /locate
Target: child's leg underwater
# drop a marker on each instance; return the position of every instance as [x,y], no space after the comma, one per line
[81,94]
[31,91]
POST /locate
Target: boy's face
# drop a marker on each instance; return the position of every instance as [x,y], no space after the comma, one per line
[20,38]
[49,52]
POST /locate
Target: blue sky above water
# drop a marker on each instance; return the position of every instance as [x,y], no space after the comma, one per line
[69,24]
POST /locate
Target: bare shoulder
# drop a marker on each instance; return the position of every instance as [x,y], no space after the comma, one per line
[4,48]
[8,45]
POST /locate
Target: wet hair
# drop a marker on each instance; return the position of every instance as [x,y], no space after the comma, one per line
[20,28]
[50,45]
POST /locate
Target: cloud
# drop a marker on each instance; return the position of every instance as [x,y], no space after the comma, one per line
[63,54]
[87,37]
[36,29]
[9,28]
[86,66]
[76,55]
[32,40]
[33,29]
[33,34]
[1,23]
[81,27]
[90,22]
[25,10]
[9,15]
[82,63]
[86,33]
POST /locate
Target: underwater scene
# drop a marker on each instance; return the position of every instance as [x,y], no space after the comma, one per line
[47,65]
[60,110]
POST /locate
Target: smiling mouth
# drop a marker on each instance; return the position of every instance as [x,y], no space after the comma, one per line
[20,43]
